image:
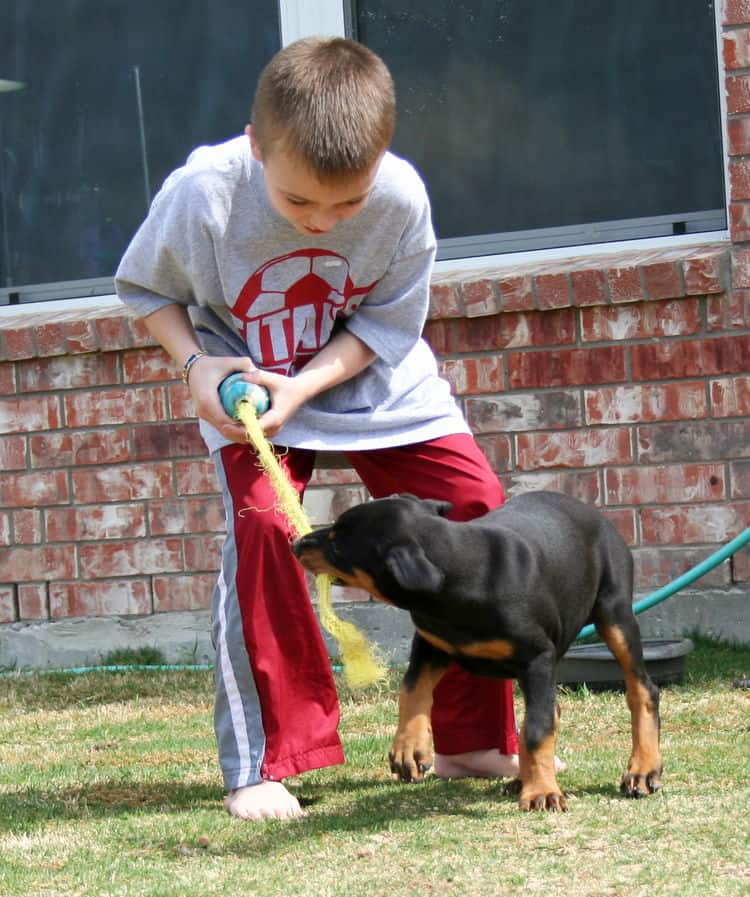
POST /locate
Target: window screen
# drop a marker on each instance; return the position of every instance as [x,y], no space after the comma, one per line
[99,100]
[539,124]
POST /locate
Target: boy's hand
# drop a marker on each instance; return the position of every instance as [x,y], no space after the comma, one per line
[203,382]
[287,394]
[342,357]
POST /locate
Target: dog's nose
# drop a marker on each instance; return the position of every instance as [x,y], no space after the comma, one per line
[314,541]
[305,543]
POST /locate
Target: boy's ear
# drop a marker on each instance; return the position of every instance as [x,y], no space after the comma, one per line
[257,155]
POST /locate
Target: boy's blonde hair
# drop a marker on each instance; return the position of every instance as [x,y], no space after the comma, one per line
[329,102]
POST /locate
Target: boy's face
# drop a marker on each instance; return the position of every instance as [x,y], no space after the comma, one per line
[311,207]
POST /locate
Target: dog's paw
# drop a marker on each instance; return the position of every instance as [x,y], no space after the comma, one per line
[635,784]
[538,795]
[408,763]
[411,754]
[533,799]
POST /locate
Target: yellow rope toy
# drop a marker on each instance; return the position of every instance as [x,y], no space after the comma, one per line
[244,401]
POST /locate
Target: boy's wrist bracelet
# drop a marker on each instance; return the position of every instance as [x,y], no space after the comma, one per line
[190,361]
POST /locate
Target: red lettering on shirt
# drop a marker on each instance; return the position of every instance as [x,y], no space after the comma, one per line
[289,306]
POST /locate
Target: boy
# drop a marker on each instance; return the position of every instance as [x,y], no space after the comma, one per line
[301,254]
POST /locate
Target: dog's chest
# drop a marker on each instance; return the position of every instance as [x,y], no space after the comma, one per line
[498,649]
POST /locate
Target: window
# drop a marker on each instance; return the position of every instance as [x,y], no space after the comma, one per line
[534,124]
[542,124]
[99,101]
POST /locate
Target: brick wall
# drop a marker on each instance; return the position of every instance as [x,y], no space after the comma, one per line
[625,384]
[624,380]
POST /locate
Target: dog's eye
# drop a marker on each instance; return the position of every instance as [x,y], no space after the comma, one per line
[331,546]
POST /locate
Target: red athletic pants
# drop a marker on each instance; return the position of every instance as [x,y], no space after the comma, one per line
[293,728]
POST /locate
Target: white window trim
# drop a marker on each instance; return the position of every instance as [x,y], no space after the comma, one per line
[304,18]
[718,13]
[52,306]
[511,260]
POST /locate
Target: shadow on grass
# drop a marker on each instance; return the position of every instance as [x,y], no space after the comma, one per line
[26,809]
[344,804]
[375,808]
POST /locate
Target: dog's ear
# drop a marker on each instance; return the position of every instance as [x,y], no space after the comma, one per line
[413,570]
[439,508]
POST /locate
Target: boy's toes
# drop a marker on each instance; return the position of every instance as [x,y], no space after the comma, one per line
[266,800]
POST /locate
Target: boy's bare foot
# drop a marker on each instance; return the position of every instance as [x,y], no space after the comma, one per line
[487,764]
[266,800]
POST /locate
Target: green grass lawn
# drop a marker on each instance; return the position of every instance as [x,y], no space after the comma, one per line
[109,786]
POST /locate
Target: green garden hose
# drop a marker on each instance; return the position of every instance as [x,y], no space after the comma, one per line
[682,581]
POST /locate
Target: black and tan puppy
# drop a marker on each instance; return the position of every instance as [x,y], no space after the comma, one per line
[504,595]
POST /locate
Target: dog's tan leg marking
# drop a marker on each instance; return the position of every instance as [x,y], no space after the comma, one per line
[643,775]
[411,753]
[539,788]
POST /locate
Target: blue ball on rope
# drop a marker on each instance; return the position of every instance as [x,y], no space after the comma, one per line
[233,390]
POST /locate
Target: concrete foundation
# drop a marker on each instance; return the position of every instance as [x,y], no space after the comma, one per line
[185,637]
[721,613]
[181,637]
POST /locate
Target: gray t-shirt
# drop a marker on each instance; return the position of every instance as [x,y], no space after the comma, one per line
[256,287]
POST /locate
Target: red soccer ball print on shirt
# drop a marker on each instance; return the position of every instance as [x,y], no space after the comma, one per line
[289,306]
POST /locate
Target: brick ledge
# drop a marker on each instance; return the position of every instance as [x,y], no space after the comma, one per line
[629,276]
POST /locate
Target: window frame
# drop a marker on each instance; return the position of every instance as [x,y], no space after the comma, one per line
[302,18]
